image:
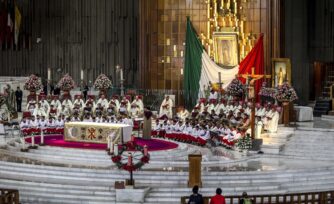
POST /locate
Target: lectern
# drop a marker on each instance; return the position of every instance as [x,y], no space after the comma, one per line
[195,164]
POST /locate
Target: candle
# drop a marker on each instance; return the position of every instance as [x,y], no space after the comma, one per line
[121,74]
[235,8]
[116,149]
[42,137]
[130,159]
[111,146]
[32,141]
[108,142]
[209,50]
[181,53]
[81,74]
[208,29]
[145,150]
[228,4]
[49,74]
[215,8]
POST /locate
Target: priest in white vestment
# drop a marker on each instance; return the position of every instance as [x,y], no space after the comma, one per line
[166,108]
[183,114]
[139,103]
[78,100]
[103,101]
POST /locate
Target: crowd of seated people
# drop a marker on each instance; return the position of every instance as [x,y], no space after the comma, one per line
[54,113]
[220,123]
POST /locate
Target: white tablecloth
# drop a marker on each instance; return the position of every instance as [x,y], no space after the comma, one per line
[304,113]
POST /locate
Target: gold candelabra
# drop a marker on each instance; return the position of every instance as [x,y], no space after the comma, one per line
[228,16]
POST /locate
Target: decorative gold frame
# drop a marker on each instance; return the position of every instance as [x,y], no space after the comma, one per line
[230,36]
[275,63]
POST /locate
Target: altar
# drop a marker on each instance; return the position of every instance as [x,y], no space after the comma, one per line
[96,132]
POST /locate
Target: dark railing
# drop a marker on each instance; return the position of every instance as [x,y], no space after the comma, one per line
[296,198]
[9,196]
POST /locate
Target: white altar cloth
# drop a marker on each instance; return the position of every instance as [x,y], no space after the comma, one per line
[303,113]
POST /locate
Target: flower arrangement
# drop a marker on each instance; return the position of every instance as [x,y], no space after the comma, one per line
[33,83]
[235,88]
[245,143]
[102,82]
[285,92]
[66,83]
[268,92]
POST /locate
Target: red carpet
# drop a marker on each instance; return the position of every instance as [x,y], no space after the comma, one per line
[58,141]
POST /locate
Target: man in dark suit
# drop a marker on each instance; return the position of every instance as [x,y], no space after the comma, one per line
[18,95]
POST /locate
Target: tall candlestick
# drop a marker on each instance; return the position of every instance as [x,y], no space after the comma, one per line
[33,141]
[121,77]
[209,50]
[108,142]
[241,26]
[228,4]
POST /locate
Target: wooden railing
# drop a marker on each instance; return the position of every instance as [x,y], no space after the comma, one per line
[9,196]
[297,198]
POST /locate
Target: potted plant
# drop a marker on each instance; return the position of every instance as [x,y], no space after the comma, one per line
[33,84]
[102,83]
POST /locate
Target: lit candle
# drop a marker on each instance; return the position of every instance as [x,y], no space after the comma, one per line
[145,150]
[208,29]
[49,73]
[215,8]
[224,23]
[235,8]
[81,74]
[116,149]
[130,159]
[228,4]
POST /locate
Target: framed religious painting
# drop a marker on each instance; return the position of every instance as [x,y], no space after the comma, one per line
[281,71]
[226,49]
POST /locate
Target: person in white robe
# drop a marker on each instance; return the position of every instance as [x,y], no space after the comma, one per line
[166,108]
[210,106]
[56,103]
[200,106]
[138,102]
[183,114]
[213,95]
[42,123]
[103,101]
[68,103]
[127,104]
[50,123]
[33,122]
[135,111]
[115,101]
[39,111]
[45,105]
[79,100]
[272,123]
[65,111]
[25,123]
[220,106]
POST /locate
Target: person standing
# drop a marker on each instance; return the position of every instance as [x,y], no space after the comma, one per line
[195,198]
[245,199]
[18,95]
[218,198]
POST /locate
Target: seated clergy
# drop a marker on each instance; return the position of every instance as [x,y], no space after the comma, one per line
[67,103]
[33,123]
[139,103]
[78,100]
[91,102]
[166,108]
[53,111]
[123,109]
[50,123]
[39,110]
[31,106]
[183,114]
[111,110]
[45,105]
[271,122]
[56,103]
[213,95]
[135,111]
[103,101]
[65,111]
[116,102]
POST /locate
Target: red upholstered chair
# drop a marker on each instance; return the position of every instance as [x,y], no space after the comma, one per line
[115,97]
[128,97]
[202,100]
[214,101]
[140,97]
[31,97]
[91,97]
[26,114]
[77,96]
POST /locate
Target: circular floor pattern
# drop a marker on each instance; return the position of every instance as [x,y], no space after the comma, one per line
[58,141]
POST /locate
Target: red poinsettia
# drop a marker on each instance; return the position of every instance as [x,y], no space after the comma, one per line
[145,159]
[116,159]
